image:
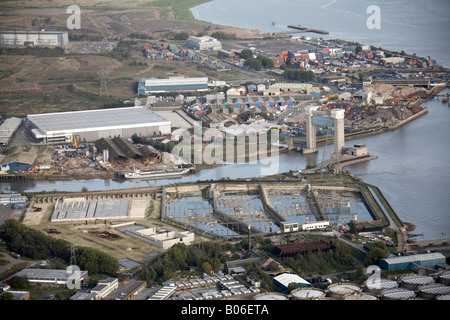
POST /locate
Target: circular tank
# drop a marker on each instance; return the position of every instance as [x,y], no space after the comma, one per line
[379,285]
[414,281]
[444,297]
[445,278]
[339,290]
[397,294]
[307,294]
[359,296]
[431,291]
[271,296]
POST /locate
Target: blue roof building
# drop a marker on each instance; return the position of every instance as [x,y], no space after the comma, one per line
[429,260]
[152,85]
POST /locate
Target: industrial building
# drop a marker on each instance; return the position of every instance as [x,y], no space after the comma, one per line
[16,199]
[283,281]
[34,38]
[162,238]
[8,128]
[91,125]
[429,260]
[120,148]
[203,43]
[17,161]
[105,287]
[51,276]
[155,85]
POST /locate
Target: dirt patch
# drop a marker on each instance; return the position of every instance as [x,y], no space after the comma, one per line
[409,226]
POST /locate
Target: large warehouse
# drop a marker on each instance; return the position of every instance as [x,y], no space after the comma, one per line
[152,85]
[91,125]
[34,38]
[429,260]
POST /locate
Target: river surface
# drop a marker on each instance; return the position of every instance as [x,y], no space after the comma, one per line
[412,169]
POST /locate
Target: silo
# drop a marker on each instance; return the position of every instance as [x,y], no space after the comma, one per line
[271,296]
[339,290]
[397,294]
[432,291]
[375,287]
[445,278]
[308,294]
[360,296]
[414,281]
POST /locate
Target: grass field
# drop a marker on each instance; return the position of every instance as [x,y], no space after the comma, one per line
[63,82]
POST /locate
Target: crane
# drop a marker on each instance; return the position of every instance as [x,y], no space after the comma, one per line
[152,161]
[75,142]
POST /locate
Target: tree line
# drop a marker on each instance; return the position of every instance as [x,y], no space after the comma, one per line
[258,63]
[206,256]
[33,51]
[36,245]
[291,74]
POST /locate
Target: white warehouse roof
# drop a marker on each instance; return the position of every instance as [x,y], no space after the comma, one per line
[286,278]
[416,257]
[100,119]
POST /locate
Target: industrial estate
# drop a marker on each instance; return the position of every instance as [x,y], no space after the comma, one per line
[320,233]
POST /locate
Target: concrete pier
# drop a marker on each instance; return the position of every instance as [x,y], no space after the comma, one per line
[306,29]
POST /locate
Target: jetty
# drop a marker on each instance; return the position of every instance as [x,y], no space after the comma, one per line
[306,29]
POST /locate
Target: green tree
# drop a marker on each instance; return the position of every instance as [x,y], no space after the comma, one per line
[206,267]
[246,53]
[181,35]
[292,286]
[265,62]
[20,282]
[7,296]
[136,139]
[253,63]
[353,228]
[374,256]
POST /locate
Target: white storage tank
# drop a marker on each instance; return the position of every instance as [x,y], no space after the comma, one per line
[414,281]
[445,278]
[360,296]
[397,294]
[339,290]
[432,291]
[308,294]
[380,285]
[271,296]
[444,297]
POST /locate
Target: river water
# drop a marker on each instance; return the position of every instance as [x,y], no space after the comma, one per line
[412,169]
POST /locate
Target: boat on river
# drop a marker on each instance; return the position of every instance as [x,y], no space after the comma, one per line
[137,174]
